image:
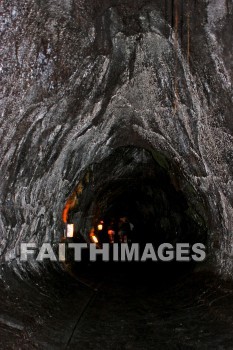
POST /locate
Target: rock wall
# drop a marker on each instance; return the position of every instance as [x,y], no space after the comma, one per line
[82,78]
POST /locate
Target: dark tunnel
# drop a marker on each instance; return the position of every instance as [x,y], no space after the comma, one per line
[132,186]
[116,136]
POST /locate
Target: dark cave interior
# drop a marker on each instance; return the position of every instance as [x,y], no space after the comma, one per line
[131,184]
[114,112]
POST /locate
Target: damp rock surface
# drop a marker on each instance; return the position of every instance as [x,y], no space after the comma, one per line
[82,78]
[116,308]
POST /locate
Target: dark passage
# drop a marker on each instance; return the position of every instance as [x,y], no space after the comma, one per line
[116,127]
[131,197]
[132,304]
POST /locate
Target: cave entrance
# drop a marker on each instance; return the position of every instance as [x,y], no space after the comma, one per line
[133,194]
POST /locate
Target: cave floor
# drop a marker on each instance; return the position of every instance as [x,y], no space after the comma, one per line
[116,308]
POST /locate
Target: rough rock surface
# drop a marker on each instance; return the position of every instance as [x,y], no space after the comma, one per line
[81,78]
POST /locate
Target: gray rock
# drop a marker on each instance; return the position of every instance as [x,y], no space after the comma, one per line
[82,78]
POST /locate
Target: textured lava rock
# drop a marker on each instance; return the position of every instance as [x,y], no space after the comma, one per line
[82,78]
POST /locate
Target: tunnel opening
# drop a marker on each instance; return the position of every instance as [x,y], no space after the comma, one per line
[132,197]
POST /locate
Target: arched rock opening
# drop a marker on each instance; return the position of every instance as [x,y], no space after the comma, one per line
[132,99]
[131,182]
[86,79]
[137,184]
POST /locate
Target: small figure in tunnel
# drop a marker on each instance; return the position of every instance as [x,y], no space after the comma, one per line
[124,229]
[111,232]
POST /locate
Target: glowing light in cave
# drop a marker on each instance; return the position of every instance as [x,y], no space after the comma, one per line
[94,239]
[70,230]
[100,226]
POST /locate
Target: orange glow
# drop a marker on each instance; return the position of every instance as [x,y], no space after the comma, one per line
[92,235]
[70,204]
[65,213]
[73,200]
[94,239]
